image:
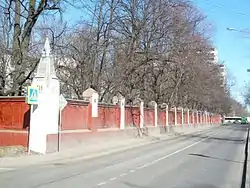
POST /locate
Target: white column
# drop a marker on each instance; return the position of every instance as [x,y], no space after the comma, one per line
[122,113]
[175,116]
[188,116]
[182,118]
[206,117]
[193,117]
[156,115]
[197,117]
[167,124]
[141,114]
[201,117]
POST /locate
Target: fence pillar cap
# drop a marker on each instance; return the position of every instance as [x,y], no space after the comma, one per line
[152,104]
[88,93]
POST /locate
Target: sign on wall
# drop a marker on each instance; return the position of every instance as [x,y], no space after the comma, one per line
[32,96]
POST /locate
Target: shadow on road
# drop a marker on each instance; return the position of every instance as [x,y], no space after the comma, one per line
[231,139]
[216,158]
[134,185]
[190,185]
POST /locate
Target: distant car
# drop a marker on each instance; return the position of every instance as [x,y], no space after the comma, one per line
[237,121]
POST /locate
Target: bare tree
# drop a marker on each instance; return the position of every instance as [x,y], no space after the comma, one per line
[18,20]
[155,50]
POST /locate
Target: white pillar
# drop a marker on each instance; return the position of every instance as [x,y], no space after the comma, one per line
[193,117]
[122,113]
[197,117]
[44,116]
[175,116]
[156,114]
[141,114]
[202,117]
[167,124]
[188,116]
[206,117]
[182,118]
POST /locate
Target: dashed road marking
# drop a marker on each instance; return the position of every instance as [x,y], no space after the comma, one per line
[6,169]
[111,179]
[123,174]
[102,183]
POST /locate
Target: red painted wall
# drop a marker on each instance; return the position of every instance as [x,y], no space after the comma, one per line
[148,117]
[74,115]
[14,138]
[14,117]
[132,116]
[108,117]
[178,118]
[171,117]
[161,118]
[14,113]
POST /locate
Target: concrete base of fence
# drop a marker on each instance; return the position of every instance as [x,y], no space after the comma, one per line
[13,138]
[109,137]
[88,139]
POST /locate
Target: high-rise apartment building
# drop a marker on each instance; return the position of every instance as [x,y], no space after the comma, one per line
[215,59]
[214,55]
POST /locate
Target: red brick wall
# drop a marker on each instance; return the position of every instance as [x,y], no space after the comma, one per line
[161,118]
[74,116]
[14,117]
[178,117]
[14,138]
[108,117]
[190,118]
[14,121]
[148,117]
[171,117]
[14,113]
[132,116]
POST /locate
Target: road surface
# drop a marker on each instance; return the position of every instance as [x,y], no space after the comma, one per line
[213,159]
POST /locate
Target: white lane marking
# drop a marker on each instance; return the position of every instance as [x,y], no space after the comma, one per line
[177,151]
[132,171]
[6,169]
[111,179]
[102,183]
[123,174]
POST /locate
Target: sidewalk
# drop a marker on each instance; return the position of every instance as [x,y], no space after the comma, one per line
[91,151]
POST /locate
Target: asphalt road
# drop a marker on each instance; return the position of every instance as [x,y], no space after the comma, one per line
[213,159]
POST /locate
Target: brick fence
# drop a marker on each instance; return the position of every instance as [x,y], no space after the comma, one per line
[15,114]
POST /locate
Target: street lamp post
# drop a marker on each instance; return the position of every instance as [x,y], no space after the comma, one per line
[245,31]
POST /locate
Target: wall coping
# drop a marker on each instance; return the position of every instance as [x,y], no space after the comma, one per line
[12,98]
[85,103]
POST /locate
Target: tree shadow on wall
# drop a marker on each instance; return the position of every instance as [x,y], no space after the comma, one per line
[26,120]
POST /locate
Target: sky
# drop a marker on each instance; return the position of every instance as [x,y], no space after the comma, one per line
[233,47]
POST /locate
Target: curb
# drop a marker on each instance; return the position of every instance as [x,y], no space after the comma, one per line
[247,179]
